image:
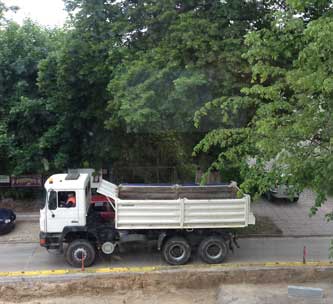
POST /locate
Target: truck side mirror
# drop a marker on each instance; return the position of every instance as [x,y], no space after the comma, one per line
[52,202]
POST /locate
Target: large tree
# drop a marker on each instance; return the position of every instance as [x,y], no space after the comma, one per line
[122,81]
[150,65]
[74,78]
[290,101]
[24,115]
[177,56]
[291,63]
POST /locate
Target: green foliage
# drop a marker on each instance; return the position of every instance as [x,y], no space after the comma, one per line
[121,83]
[291,69]
[73,78]
[182,58]
[141,82]
[297,119]
[288,104]
[182,55]
[23,114]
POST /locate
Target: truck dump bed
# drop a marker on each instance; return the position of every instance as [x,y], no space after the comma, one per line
[178,207]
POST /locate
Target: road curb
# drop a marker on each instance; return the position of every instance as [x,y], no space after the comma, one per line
[148,269]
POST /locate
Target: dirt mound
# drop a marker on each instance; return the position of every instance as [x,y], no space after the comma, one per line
[231,293]
[195,281]
[174,296]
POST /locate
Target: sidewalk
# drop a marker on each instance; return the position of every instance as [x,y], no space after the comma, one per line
[24,232]
[27,216]
[293,218]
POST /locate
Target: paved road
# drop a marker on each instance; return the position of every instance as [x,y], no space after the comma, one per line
[23,257]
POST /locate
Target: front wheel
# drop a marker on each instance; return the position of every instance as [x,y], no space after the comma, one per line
[213,250]
[176,251]
[78,250]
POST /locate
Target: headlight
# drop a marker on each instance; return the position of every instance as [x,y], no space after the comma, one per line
[7,221]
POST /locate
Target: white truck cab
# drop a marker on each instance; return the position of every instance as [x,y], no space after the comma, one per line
[57,212]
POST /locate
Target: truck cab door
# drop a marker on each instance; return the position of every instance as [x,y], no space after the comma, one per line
[62,211]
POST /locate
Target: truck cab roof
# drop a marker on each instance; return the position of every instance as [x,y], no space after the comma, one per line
[67,181]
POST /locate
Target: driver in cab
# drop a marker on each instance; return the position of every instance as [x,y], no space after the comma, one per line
[71,200]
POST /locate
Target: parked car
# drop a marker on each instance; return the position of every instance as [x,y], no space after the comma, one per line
[281,192]
[7,220]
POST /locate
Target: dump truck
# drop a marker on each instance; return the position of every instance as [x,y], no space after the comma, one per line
[179,219]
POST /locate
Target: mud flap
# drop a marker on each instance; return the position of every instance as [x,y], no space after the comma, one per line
[232,240]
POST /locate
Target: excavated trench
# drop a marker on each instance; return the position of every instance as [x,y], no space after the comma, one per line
[208,285]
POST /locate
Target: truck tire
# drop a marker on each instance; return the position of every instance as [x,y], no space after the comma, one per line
[77,250]
[176,251]
[213,250]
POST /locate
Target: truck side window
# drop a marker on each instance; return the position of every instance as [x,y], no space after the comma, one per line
[66,199]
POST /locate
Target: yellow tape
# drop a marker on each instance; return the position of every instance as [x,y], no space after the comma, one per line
[159,268]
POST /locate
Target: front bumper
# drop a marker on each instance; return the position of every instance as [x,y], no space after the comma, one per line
[6,228]
[50,240]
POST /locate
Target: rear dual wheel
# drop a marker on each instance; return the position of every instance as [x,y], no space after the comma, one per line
[213,250]
[176,251]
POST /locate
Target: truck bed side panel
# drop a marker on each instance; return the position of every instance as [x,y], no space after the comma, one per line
[182,213]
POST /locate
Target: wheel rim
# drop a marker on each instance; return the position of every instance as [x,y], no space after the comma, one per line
[79,254]
[214,251]
[177,252]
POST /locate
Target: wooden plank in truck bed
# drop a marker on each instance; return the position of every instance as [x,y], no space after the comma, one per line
[175,192]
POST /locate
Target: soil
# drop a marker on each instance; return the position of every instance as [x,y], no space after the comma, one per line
[139,297]
[223,294]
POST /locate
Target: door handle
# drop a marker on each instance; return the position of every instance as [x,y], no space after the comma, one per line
[53,215]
